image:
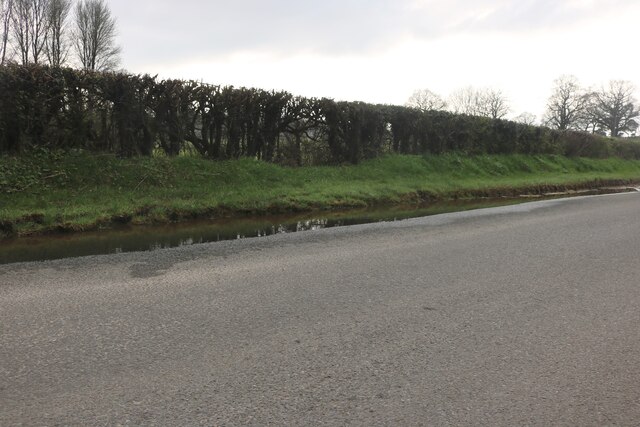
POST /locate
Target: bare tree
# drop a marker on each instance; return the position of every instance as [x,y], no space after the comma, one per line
[426,100]
[20,21]
[492,103]
[464,101]
[615,109]
[526,118]
[585,120]
[484,102]
[57,47]
[6,7]
[38,28]
[566,105]
[30,25]
[95,36]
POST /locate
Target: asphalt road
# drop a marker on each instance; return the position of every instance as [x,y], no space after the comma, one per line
[525,315]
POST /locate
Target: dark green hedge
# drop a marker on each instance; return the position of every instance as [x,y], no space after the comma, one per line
[62,108]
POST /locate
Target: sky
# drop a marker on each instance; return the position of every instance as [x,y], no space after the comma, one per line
[380,51]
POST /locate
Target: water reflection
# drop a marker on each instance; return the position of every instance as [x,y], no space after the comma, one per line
[151,238]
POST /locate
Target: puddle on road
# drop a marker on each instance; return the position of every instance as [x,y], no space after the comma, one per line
[150,238]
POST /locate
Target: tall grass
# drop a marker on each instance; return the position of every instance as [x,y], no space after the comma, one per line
[77,191]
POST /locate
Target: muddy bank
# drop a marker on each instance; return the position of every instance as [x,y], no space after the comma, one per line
[33,225]
[541,190]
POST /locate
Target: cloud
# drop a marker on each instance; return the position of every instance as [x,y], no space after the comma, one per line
[163,30]
[190,27]
[380,51]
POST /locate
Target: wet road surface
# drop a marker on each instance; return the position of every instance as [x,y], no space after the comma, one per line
[527,314]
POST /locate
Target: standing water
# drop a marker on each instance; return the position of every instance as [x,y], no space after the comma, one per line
[150,238]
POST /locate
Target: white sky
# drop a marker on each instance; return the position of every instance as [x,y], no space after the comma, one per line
[380,51]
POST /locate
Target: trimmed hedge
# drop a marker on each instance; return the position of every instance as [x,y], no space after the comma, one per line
[63,108]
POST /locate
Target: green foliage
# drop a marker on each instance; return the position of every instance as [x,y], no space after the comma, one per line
[39,169]
[139,115]
[51,191]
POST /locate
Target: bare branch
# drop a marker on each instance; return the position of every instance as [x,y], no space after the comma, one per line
[464,101]
[94,36]
[20,22]
[57,46]
[484,102]
[29,26]
[615,108]
[6,8]
[426,100]
[493,103]
[526,118]
[566,105]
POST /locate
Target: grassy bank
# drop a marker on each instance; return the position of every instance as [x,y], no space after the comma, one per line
[75,192]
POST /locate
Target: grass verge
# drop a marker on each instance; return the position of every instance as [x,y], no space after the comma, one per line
[47,192]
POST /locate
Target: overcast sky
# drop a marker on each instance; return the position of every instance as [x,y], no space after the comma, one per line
[380,51]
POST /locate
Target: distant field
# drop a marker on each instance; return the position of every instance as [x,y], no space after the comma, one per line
[75,192]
